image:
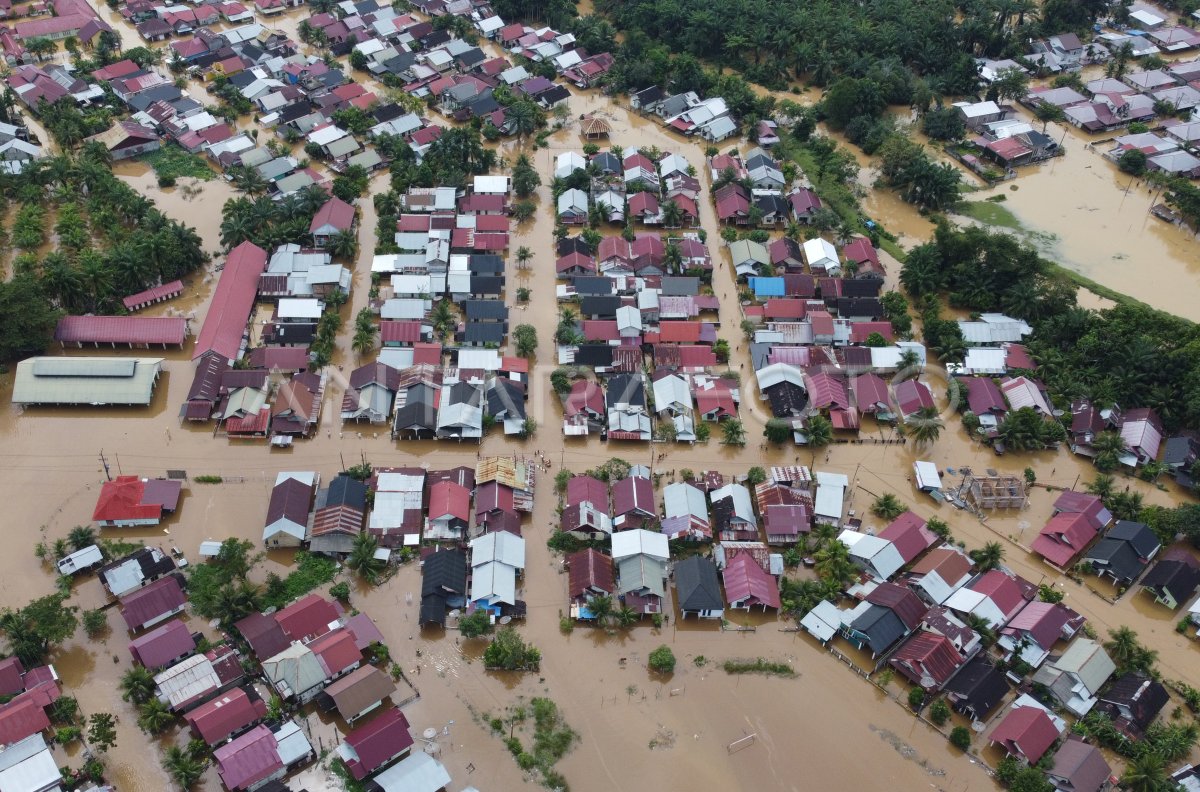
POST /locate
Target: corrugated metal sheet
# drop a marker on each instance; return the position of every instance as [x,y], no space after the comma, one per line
[130,330]
[85,380]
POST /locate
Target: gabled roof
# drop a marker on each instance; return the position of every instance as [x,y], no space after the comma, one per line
[1041,622]
[909,535]
[980,686]
[359,690]
[376,742]
[901,601]
[215,720]
[249,759]
[697,585]
[1080,765]
[744,578]
[927,659]
[590,570]
[1026,732]
[307,618]
[334,213]
[156,600]
[162,645]
[1063,538]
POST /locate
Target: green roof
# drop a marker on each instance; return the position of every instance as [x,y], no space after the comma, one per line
[86,380]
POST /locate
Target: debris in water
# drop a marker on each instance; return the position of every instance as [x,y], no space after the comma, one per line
[906,750]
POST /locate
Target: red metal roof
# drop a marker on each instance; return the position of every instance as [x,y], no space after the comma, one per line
[600,330]
[132,330]
[378,741]
[11,671]
[162,645]
[575,261]
[860,331]
[427,354]
[869,390]
[232,302]
[585,395]
[744,578]
[590,570]
[1002,590]
[787,519]
[167,290]
[335,212]
[589,489]
[282,358]
[909,535]
[825,391]
[121,499]
[633,494]
[306,618]
[984,396]
[786,308]
[1027,732]
[679,332]
[249,759]
[927,659]
[901,601]
[336,651]
[404,332]
[1041,622]
[449,498]
[157,599]
[20,719]
[253,424]
[1063,538]
[215,720]
[911,396]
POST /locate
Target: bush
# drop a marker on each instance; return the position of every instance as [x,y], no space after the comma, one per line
[662,660]
[94,622]
[916,698]
[475,624]
[509,652]
[939,712]
[960,738]
[340,591]
[566,624]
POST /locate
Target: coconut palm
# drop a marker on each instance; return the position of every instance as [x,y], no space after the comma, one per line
[833,564]
[626,617]
[362,558]
[154,717]
[1129,655]
[1110,447]
[909,365]
[522,116]
[989,556]
[1102,485]
[81,536]
[818,432]
[249,181]
[137,685]
[733,432]
[343,244]
[1147,773]
[601,608]
[442,318]
[925,426]
[235,601]
[183,765]
[672,214]
[888,507]
[524,254]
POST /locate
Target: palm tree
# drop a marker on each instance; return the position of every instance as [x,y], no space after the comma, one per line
[601,608]
[626,617]
[343,244]
[81,536]
[235,601]
[672,214]
[734,433]
[887,507]
[1147,773]
[183,766]
[989,556]
[523,117]
[909,365]
[1126,652]
[1110,447]
[925,426]
[249,181]
[524,254]
[1102,485]
[442,318]
[818,432]
[137,685]
[154,717]
[362,558]
[833,564]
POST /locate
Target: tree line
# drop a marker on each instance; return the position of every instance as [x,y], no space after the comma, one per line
[112,242]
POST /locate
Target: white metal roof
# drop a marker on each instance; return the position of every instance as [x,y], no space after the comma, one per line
[818,251]
[640,541]
[419,772]
[187,679]
[299,308]
[494,582]
[80,559]
[928,476]
[490,185]
[823,621]
[985,360]
[28,764]
[498,546]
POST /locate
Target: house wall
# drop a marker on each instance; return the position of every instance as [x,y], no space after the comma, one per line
[125,152]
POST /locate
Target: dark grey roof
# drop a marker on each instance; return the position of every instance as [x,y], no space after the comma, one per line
[345,491]
[1173,576]
[772,204]
[787,399]
[608,162]
[697,585]
[650,95]
[485,264]
[859,306]
[680,286]
[861,287]
[594,355]
[881,626]
[979,686]
[419,410]
[506,399]
[602,307]
[486,309]
[1116,557]
[1179,450]
[443,577]
[1143,697]
[484,333]
[573,244]
[593,285]
[1138,535]
[626,389]
[464,393]
[486,284]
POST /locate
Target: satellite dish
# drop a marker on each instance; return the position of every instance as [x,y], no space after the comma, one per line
[505,619]
[978,727]
[429,733]
[927,681]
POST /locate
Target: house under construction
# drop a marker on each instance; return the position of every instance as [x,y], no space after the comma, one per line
[994,492]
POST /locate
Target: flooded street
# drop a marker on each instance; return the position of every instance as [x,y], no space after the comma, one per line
[638,730]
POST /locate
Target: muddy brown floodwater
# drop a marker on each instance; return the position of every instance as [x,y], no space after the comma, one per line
[638,731]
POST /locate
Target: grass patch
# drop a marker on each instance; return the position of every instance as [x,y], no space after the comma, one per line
[552,739]
[207,479]
[989,213]
[171,162]
[758,666]
[312,571]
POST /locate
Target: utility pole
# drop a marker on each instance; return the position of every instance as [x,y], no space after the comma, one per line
[104,462]
[343,458]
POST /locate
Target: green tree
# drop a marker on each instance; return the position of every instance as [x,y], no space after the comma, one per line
[184,765]
[94,622]
[525,336]
[476,623]
[102,731]
[137,685]
[818,432]
[777,431]
[1127,652]
[733,432]
[925,426]
[1109,447]
[888,507]
[508,651]
[662,660]
[755,476]
[1011,84]
[960,738]
[939,711]
[988,557]
[833,564]
[1147,773]
[525,178]
[154,717]
[943,123]
[362,558]
[34,629]
[81,536]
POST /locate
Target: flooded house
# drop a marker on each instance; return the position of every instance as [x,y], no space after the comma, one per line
[1076,677]
[497,560]
[1174,579]
[92,381]
[1133,702]
[928,660]
[129,501]
[357,694]
[1079,767]
[339,516]
[153,604]
[698,589]
[377,744]
[748,585]
[977,689]
[1124,552]
[1025,733]
[443,585]
[228,715]
[685,512]
[590,575]
[888,614]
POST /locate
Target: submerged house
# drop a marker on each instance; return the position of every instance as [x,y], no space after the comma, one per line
[698,588]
